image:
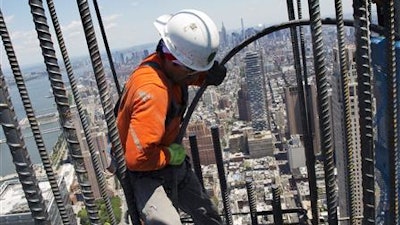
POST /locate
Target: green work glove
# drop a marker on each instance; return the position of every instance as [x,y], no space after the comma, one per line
[177,154]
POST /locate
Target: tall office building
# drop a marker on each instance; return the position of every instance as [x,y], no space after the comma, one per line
[243,103]
[337,104]
[204,141]
[294,116]
[255,81]
[86,156]
[260,144]
[224,37]
[296,154]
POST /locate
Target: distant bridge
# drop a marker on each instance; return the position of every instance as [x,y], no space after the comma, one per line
[47,131]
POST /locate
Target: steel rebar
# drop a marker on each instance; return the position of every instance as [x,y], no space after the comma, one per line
[393,199]
[221,174]
[351,176]
[34,125]
[21,158]
[104,36]
[305,115]
[363,67]
[65,115]
[252,201]
[89,140]
[107,107]
[196,158]
[324,111]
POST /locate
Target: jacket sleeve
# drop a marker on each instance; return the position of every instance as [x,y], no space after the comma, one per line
[148,108]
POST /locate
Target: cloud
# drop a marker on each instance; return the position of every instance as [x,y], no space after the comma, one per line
[112,17]
[134,3]
[110,25]
[73,26]
[9,19]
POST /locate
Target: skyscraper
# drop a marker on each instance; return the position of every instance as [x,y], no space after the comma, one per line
[204,141]
[243,103]
[224,37]
[342,159]
[254,74]
[294,115]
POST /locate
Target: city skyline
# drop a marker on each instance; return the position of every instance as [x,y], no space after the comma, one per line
[268,163]
[130,23]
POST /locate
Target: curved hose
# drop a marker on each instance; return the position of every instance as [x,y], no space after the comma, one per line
[262,33]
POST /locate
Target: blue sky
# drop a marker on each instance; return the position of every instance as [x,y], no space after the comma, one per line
[130,22]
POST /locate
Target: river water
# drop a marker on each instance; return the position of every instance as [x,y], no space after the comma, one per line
[42,101]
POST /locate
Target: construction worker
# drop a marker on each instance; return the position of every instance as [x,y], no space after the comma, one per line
[149,116]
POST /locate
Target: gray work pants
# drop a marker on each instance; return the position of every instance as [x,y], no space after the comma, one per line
[159,193]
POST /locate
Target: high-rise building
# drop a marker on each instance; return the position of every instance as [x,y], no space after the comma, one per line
[295,118]
[243,103]
[296,154]
[238,143]
[204,141]
[342,160]
[87,157]
[255,81]
[260,144]
[224,37]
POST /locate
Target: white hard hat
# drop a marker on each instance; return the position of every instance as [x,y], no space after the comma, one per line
[191,36]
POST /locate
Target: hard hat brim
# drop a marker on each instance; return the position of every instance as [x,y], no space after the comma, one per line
[161,22]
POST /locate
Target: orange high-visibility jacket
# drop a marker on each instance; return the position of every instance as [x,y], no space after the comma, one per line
[142,113]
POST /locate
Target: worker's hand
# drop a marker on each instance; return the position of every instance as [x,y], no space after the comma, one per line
[216,74]
[177,154]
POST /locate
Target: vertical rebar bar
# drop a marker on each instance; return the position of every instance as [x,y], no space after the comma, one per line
[221,174]
[107,108]
[63,108]
[276,205]
[104,36]
[346,110]
[252,201]
[303,49]
[363,66]
[392,115]
[306,117]
[21,159]
[19,80]
[89,140]
[196,158]
[324,113]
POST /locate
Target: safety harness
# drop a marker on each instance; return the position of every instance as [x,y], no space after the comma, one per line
[175,109]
